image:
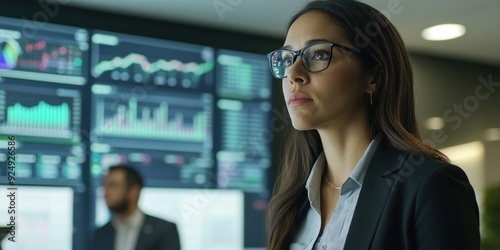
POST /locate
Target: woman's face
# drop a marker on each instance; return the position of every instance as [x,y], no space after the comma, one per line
[334,97]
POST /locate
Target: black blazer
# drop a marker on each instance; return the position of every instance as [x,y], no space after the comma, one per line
[155,234]
[410,201]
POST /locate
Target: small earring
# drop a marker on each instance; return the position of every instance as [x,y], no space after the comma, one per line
[371,97]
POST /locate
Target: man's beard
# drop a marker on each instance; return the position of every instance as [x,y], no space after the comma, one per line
[119,208]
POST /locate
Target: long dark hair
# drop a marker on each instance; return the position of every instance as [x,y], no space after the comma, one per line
[392,112]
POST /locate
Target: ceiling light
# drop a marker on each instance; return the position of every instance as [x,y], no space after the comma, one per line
[492,134]
[465,151]
[434,123]
[443,32]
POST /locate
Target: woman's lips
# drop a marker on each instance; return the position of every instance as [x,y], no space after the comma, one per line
[297,99]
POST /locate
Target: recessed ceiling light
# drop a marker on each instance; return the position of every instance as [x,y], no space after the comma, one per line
[467,151]
[434,123]
[443,32]
[492,134]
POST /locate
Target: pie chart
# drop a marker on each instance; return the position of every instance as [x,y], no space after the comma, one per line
[9,52]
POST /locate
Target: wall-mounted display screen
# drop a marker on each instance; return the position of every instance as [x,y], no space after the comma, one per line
[189,117]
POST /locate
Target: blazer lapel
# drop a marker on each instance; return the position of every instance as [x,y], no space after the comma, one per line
[374,193]
[144,237]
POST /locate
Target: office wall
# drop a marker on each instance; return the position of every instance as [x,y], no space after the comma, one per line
[467,96]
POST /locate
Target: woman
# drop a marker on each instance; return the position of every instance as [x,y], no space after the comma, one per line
[355,173]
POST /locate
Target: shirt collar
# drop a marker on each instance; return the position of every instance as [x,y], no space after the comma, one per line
[135,220]
[359,171]
[313,183]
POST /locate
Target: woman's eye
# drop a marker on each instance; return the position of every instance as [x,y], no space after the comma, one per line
[321,55]
[287,61]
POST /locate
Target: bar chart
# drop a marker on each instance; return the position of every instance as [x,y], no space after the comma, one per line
[39,112]
[157,117]
[152,122]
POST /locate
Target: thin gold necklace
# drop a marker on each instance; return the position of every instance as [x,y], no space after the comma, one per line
[336,187]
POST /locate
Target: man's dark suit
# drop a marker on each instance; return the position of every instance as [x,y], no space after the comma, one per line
[411,201]
[155,234]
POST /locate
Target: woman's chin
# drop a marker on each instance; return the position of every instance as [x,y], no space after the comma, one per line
[301,126]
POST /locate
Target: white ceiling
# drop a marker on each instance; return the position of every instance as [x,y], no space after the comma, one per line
[269,17]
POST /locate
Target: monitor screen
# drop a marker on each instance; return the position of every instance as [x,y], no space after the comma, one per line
[43,217]
[46,120]
[42,75]
[167,136]
[205,218]
[244,107]
[152,107]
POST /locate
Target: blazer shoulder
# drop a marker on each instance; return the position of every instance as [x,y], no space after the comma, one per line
[419,172]
[406,168]
[418,167]
[104,237]
[163,232]
[106,228]
[155,221]
[445,211]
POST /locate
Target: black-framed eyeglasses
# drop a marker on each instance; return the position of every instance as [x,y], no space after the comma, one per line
[315,58]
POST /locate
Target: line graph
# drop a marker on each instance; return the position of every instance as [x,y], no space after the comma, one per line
[150,68]
[141,60]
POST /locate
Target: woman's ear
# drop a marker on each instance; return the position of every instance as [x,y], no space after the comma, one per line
[374,78]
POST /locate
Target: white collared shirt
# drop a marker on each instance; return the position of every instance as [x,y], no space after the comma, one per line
[335,231]
[127,231]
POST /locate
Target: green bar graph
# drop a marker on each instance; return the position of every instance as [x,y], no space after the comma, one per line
[154,123]
[42,118]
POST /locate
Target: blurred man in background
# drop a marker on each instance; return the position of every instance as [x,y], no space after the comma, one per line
[129,228]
